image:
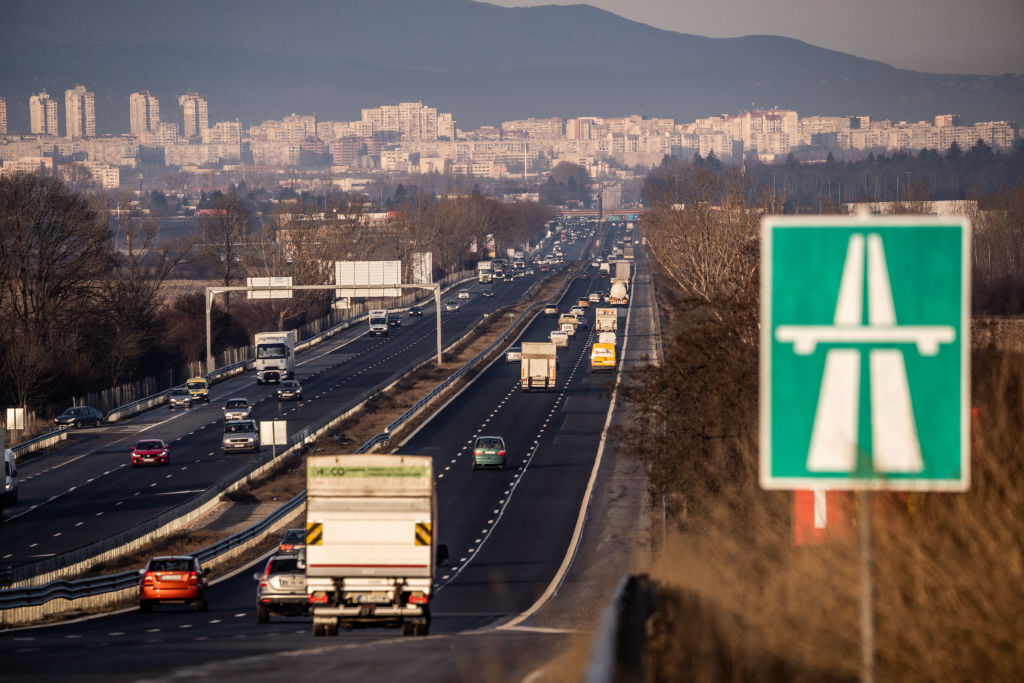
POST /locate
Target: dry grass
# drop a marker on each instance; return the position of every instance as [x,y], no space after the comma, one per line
[741,601]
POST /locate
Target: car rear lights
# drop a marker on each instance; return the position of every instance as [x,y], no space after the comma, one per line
[478,452]
[193,577]
[501,452]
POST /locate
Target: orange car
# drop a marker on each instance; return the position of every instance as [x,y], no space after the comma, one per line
[172,579]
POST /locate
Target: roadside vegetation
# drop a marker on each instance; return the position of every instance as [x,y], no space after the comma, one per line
[737,599]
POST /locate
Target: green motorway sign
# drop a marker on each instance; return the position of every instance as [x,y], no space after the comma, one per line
[865,352]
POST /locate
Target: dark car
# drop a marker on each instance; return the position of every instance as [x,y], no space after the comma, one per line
[415,312]
[293,541]
[151,452]
[282,589]
[172,579]
[395,319]
[487,292]
[79,416]
[289,389]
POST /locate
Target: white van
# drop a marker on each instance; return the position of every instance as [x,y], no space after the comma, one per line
[10,492]
[606,338]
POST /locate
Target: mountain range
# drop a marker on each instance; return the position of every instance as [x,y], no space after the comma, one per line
[261,59]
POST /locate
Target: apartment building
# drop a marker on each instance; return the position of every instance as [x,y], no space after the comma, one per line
[42,110]
[3,116]
[79,112]
[143,113]
[194,114]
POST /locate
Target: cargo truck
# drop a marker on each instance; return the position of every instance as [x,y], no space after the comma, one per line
[484,271]
[606,320]
[538,366]
[371,532]
[275,356]
[379,322]
[602,357]
[622,270]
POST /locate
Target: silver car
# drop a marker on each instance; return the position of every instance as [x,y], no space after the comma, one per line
[179,398]
[240,435]
[282,589]
[237,409]
[514,354]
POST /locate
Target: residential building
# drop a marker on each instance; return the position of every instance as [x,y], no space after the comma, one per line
[194,113]
[3,116]
[143,113]
[42,111]
[79,113]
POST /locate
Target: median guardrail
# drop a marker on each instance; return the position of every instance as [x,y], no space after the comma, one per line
[109,549]
[40,442]
[105,591]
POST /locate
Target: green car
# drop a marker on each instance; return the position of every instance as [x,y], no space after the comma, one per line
[489,451]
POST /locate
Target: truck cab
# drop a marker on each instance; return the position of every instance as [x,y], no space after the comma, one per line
[379,323]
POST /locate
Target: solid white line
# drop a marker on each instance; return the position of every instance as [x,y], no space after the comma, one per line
[577,533]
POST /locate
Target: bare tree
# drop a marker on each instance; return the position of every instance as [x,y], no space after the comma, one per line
[226,230]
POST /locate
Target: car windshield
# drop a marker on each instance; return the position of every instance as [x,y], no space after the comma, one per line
[179,391]
[489,443]
[149,446]
[294,536]
[237,404]
[238,427]
[196,385]
[284,565]
[171,565]
[289,384]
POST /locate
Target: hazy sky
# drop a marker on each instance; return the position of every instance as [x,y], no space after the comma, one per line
[945,36]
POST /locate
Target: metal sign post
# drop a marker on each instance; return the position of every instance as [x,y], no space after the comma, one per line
[865,362]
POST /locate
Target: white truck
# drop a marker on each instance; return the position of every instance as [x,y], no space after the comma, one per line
[371,532]
[9,495]
[538,366]
[379,322]
[484,271]
[622,270]
[606,320]
[275,356]
[618,295]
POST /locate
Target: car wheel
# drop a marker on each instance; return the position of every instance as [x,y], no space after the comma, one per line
[78,425]
[145,606]
[202,605]
[262,615]
[14,498]
[474,465]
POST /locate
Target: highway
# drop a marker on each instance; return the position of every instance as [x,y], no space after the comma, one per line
[508,533]
[86,490]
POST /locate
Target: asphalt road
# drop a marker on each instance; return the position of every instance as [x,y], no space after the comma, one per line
[86,490]
[508,532]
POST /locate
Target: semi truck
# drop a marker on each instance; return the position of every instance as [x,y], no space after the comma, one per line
[538,366]
[275,356]
[484,271]
[606,320]
[379,322]
[371,531]
[622,270]
[618,295]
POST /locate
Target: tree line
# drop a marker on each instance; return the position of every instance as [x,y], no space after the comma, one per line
[84,296]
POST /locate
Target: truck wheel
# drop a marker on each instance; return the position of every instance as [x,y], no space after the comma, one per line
[422,629]
[331,629]
[407,628]
[318,630]
[263,615]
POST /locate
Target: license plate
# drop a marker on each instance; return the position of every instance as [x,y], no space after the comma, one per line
[374,597]
[173,577]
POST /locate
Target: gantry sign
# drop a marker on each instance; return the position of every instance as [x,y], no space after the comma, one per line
[865,343]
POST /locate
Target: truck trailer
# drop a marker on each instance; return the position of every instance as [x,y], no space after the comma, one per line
[371,530]
[538,366]
[275,356]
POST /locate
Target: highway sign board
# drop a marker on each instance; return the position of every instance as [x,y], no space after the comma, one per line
[865,350]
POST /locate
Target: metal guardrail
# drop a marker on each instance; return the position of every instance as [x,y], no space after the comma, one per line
[40,442]
[616,651]
[26,597]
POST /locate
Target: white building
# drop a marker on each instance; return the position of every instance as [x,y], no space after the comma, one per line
[143,113]
[80,112]
[42,111]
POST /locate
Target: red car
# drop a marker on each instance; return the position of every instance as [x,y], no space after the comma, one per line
[151,452]
[172,579]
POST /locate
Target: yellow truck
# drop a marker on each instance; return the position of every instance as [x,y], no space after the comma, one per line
[602,357]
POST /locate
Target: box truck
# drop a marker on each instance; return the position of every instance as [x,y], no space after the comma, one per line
[538,366]
[606,320]
[379,322]
[275,356]
[371,541]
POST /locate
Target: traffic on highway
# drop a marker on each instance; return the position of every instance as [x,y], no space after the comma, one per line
[509,472]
